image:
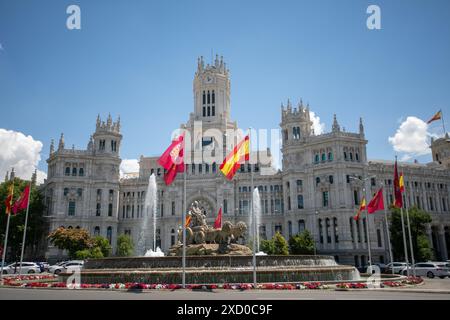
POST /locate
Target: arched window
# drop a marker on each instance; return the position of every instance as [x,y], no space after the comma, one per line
[330,156]
[66,191]
[109,234]
[320,230]
[324,157]
[316,158]
[357,156]
[301,225]
[97,231]
[335,226]
[327,230]
[81,172]
[74,171]
[345,156]
[214,167]
[213,97]
[67,171]
[351,156]
[206,168]
[209,99]
[78,227]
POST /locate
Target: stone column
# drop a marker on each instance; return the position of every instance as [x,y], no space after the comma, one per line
[442,244]
[429,233]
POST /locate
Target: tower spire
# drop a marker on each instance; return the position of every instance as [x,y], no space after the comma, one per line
[361,126]
[336,127]
[61,142]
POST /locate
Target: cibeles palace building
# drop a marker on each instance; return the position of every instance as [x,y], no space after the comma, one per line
[314,190]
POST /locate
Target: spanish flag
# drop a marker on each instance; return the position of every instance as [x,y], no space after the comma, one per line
[240,153]
[401,183]
[437,116]
[9,199]
[362,207]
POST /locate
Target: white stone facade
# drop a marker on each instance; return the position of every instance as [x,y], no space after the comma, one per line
[313,190]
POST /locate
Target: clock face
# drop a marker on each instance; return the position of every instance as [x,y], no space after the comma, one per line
[208,79]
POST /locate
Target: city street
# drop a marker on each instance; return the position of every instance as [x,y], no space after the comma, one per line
[433,289]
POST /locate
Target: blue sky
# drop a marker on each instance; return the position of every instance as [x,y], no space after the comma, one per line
[138,58]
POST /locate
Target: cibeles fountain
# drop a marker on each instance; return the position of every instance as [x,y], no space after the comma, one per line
[213,256]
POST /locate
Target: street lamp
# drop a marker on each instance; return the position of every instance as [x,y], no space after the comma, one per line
[315,230]
[363,182]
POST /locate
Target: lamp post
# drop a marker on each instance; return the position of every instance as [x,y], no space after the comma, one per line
[363,182]
[316,213]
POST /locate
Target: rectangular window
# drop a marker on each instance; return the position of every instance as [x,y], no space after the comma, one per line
[98,209]
[379,238]
[162,209]
[356,197]
[71,211]
[225,206]
[300,202]
[173,208]
[325,198]
[110,210]
[289,203]
[111,195]
[99,194]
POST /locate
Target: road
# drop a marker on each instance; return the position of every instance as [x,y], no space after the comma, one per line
[431,290]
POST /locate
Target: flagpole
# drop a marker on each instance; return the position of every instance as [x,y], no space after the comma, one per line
[25,230]
[367,227]
[391,259]
[409,229]
[5,246]
[184,229]
[443,125]
[403,226]
[252,213]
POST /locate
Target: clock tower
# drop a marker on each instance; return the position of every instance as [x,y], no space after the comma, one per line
[212,92]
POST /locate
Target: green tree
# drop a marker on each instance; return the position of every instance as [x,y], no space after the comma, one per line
[103,244]
[72,240]
[267,246]
[418,220]
[36,227]
[125,246]
[302,243]
[280,245]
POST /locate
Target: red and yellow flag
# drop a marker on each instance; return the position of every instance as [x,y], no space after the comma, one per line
[362,207]
[240,153]
[9,199]
[401,183]
[437,116]
[398,200]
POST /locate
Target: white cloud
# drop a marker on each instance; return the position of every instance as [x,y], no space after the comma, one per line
[21,153]
[411,138]
[128,166]
[318,126]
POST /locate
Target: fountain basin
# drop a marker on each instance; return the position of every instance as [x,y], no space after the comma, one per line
[215,269]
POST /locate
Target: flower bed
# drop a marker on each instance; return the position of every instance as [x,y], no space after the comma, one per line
[392,284]
[30,282]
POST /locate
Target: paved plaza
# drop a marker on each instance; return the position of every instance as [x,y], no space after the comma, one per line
[432,289]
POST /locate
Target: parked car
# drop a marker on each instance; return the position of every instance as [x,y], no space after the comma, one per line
[397,266]
[54,267]
[27,267]
[67,266]
[431,269]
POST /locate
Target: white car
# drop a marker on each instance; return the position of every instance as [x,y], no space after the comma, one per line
[68,266]
[430,269]
[396,266]
[27,267]
[54,267]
